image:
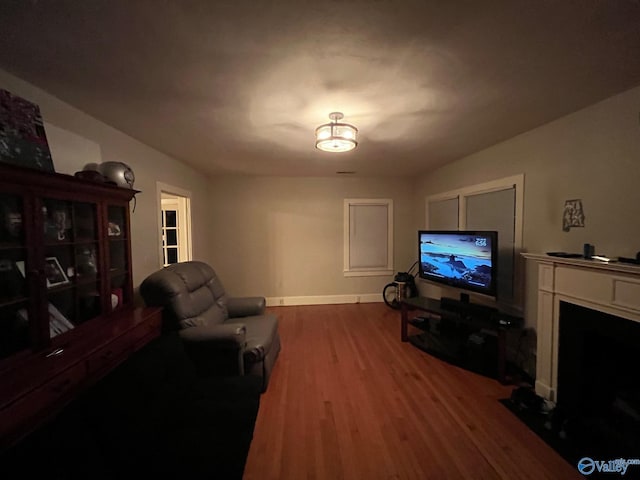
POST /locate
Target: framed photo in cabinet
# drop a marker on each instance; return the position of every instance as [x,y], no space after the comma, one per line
[58,323]
[20,267]
[11,280]
[113,229]
[11,223]
[54,272]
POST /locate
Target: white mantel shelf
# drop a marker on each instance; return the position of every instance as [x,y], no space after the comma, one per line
[609,287]
[612,266]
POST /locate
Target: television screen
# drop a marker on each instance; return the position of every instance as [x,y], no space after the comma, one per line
[461,259]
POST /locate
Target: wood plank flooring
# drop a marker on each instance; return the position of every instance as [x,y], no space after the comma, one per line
[349,400]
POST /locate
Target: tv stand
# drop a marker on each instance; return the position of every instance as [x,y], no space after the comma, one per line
[465,306]
[469,335]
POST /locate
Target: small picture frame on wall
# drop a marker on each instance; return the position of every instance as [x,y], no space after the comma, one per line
[54,272]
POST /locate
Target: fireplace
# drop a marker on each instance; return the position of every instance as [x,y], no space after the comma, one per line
[608,293]
[598,381]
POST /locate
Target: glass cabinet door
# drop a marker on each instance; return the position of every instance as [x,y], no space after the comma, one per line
[119,278]
[15,311]
[71,266]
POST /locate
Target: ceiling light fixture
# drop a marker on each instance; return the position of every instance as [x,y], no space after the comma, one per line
[336,136]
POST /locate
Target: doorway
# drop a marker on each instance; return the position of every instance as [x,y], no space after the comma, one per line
[175,225]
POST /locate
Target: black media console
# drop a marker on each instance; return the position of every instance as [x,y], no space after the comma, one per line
[470,335]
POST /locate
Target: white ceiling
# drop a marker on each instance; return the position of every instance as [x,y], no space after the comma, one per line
[238,86]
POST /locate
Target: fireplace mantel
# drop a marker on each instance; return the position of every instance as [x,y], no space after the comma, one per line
[609,287]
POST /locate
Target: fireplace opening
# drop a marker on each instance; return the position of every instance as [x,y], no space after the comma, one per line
[598,396]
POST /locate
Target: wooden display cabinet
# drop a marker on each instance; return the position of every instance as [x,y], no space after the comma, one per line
[66,292]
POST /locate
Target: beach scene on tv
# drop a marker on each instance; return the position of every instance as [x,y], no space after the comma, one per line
[464,258]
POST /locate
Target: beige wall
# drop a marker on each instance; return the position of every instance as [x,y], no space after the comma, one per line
[75,139]
[592,154]
[283,237]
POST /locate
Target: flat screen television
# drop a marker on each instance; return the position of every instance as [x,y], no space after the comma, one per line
[464,259]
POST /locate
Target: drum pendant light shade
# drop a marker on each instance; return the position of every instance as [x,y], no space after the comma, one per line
[336,136]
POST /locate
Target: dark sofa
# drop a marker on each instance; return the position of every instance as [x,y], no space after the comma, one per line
[152,417]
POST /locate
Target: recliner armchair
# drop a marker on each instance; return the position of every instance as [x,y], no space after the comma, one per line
[223,335]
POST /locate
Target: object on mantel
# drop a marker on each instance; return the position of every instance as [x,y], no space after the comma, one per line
[565,255]
[598,258]
[601,258]
[635,261]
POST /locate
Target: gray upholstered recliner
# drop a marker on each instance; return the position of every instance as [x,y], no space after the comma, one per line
[224,335]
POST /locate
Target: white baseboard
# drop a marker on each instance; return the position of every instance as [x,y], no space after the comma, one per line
[545,391]
[324,299]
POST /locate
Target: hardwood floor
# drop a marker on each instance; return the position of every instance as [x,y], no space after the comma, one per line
[349,400]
